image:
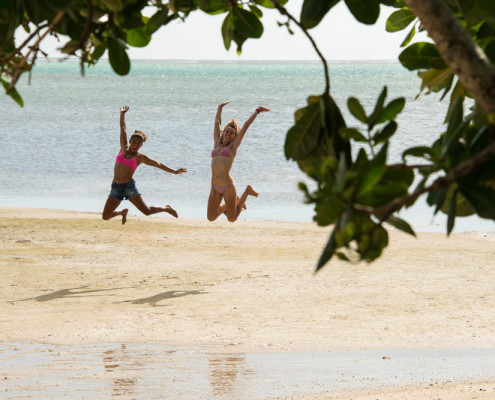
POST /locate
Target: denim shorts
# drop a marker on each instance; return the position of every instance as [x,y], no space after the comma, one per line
[123,191]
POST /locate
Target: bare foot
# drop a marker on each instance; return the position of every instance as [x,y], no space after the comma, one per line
[171,211]
[124,215]
[250,191]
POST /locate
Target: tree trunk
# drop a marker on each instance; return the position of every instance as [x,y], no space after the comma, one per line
[459,51]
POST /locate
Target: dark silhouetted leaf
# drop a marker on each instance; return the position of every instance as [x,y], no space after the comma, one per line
[392,109]
[376,115]
[118,57]
[374,171]
[352,133]
[481,197]
[365,11]
[303,136]
[400,224]
[356,109]
[421,55]
[228,30]
[313,11]
[247,24]
[386,133]
[13,94]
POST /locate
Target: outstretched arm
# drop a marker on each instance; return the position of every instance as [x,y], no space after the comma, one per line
[218,121]
[148,161]
[240,136]
[123,131]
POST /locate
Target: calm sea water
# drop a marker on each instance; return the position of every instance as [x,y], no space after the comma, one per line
[59,149]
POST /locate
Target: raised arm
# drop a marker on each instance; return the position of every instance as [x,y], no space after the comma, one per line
[242,132]
[218,121]
[148,161]
[123,131]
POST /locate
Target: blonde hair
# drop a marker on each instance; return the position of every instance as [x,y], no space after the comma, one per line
[233,123]
[140,134]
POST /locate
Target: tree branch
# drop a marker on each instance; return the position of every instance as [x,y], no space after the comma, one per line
[458,50]
[284,11]
[23,62]
[464,169]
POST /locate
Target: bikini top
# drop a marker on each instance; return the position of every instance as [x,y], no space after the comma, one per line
[131,163]
[224,152]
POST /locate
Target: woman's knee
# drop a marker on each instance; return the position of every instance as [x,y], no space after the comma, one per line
[231,217]
[211,216]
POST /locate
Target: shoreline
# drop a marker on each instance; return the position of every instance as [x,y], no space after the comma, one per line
[242,288]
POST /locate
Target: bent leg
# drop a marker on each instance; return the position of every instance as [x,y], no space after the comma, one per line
[234,208]
[143,207]
[214,209]
[109,210]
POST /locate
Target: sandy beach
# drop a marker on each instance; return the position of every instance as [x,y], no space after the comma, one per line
[72,279]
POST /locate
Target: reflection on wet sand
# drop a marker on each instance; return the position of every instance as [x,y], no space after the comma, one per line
[147,371]
[224,372]
[117,359]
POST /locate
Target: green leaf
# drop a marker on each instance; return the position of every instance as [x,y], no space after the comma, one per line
[269,4]
[365,11]
[392,109]
[419,151]
[374,171]
[59,4]
[247,24]
[356,109]
[228,30]
[400,224]
[376,115]
[118,57]
[14,94]
[256,11]
[421,55]
[486,9]
[313,11]
[451,216]
[214,7]
[328,251]
[98,51]
[435,79]
[409,36]
[159,19]
[456,128]
[301,139]
[399,20]
[138,37]
[481,198]
[385,134]
[352,133]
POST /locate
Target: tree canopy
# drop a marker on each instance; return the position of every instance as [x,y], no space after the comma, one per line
[357,191]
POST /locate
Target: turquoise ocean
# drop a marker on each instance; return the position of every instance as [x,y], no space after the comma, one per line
[59,150]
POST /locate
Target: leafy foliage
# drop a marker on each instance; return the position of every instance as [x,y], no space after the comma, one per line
[357,194]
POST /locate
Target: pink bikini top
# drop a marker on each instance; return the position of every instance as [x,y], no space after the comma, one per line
[131,163]
[224,152]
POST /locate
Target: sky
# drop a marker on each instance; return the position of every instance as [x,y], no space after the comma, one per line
[339,37]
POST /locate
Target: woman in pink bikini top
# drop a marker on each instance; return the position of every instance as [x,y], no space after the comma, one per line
[123,185]
[225,147]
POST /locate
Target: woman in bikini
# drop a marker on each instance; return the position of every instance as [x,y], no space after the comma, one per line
[123,185]
[226,143]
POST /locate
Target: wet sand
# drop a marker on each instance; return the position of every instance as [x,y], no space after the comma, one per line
[71,279]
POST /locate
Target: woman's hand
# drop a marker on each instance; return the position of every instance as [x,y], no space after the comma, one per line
[124,109]
[180,171]
[262,109]
[223,104]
